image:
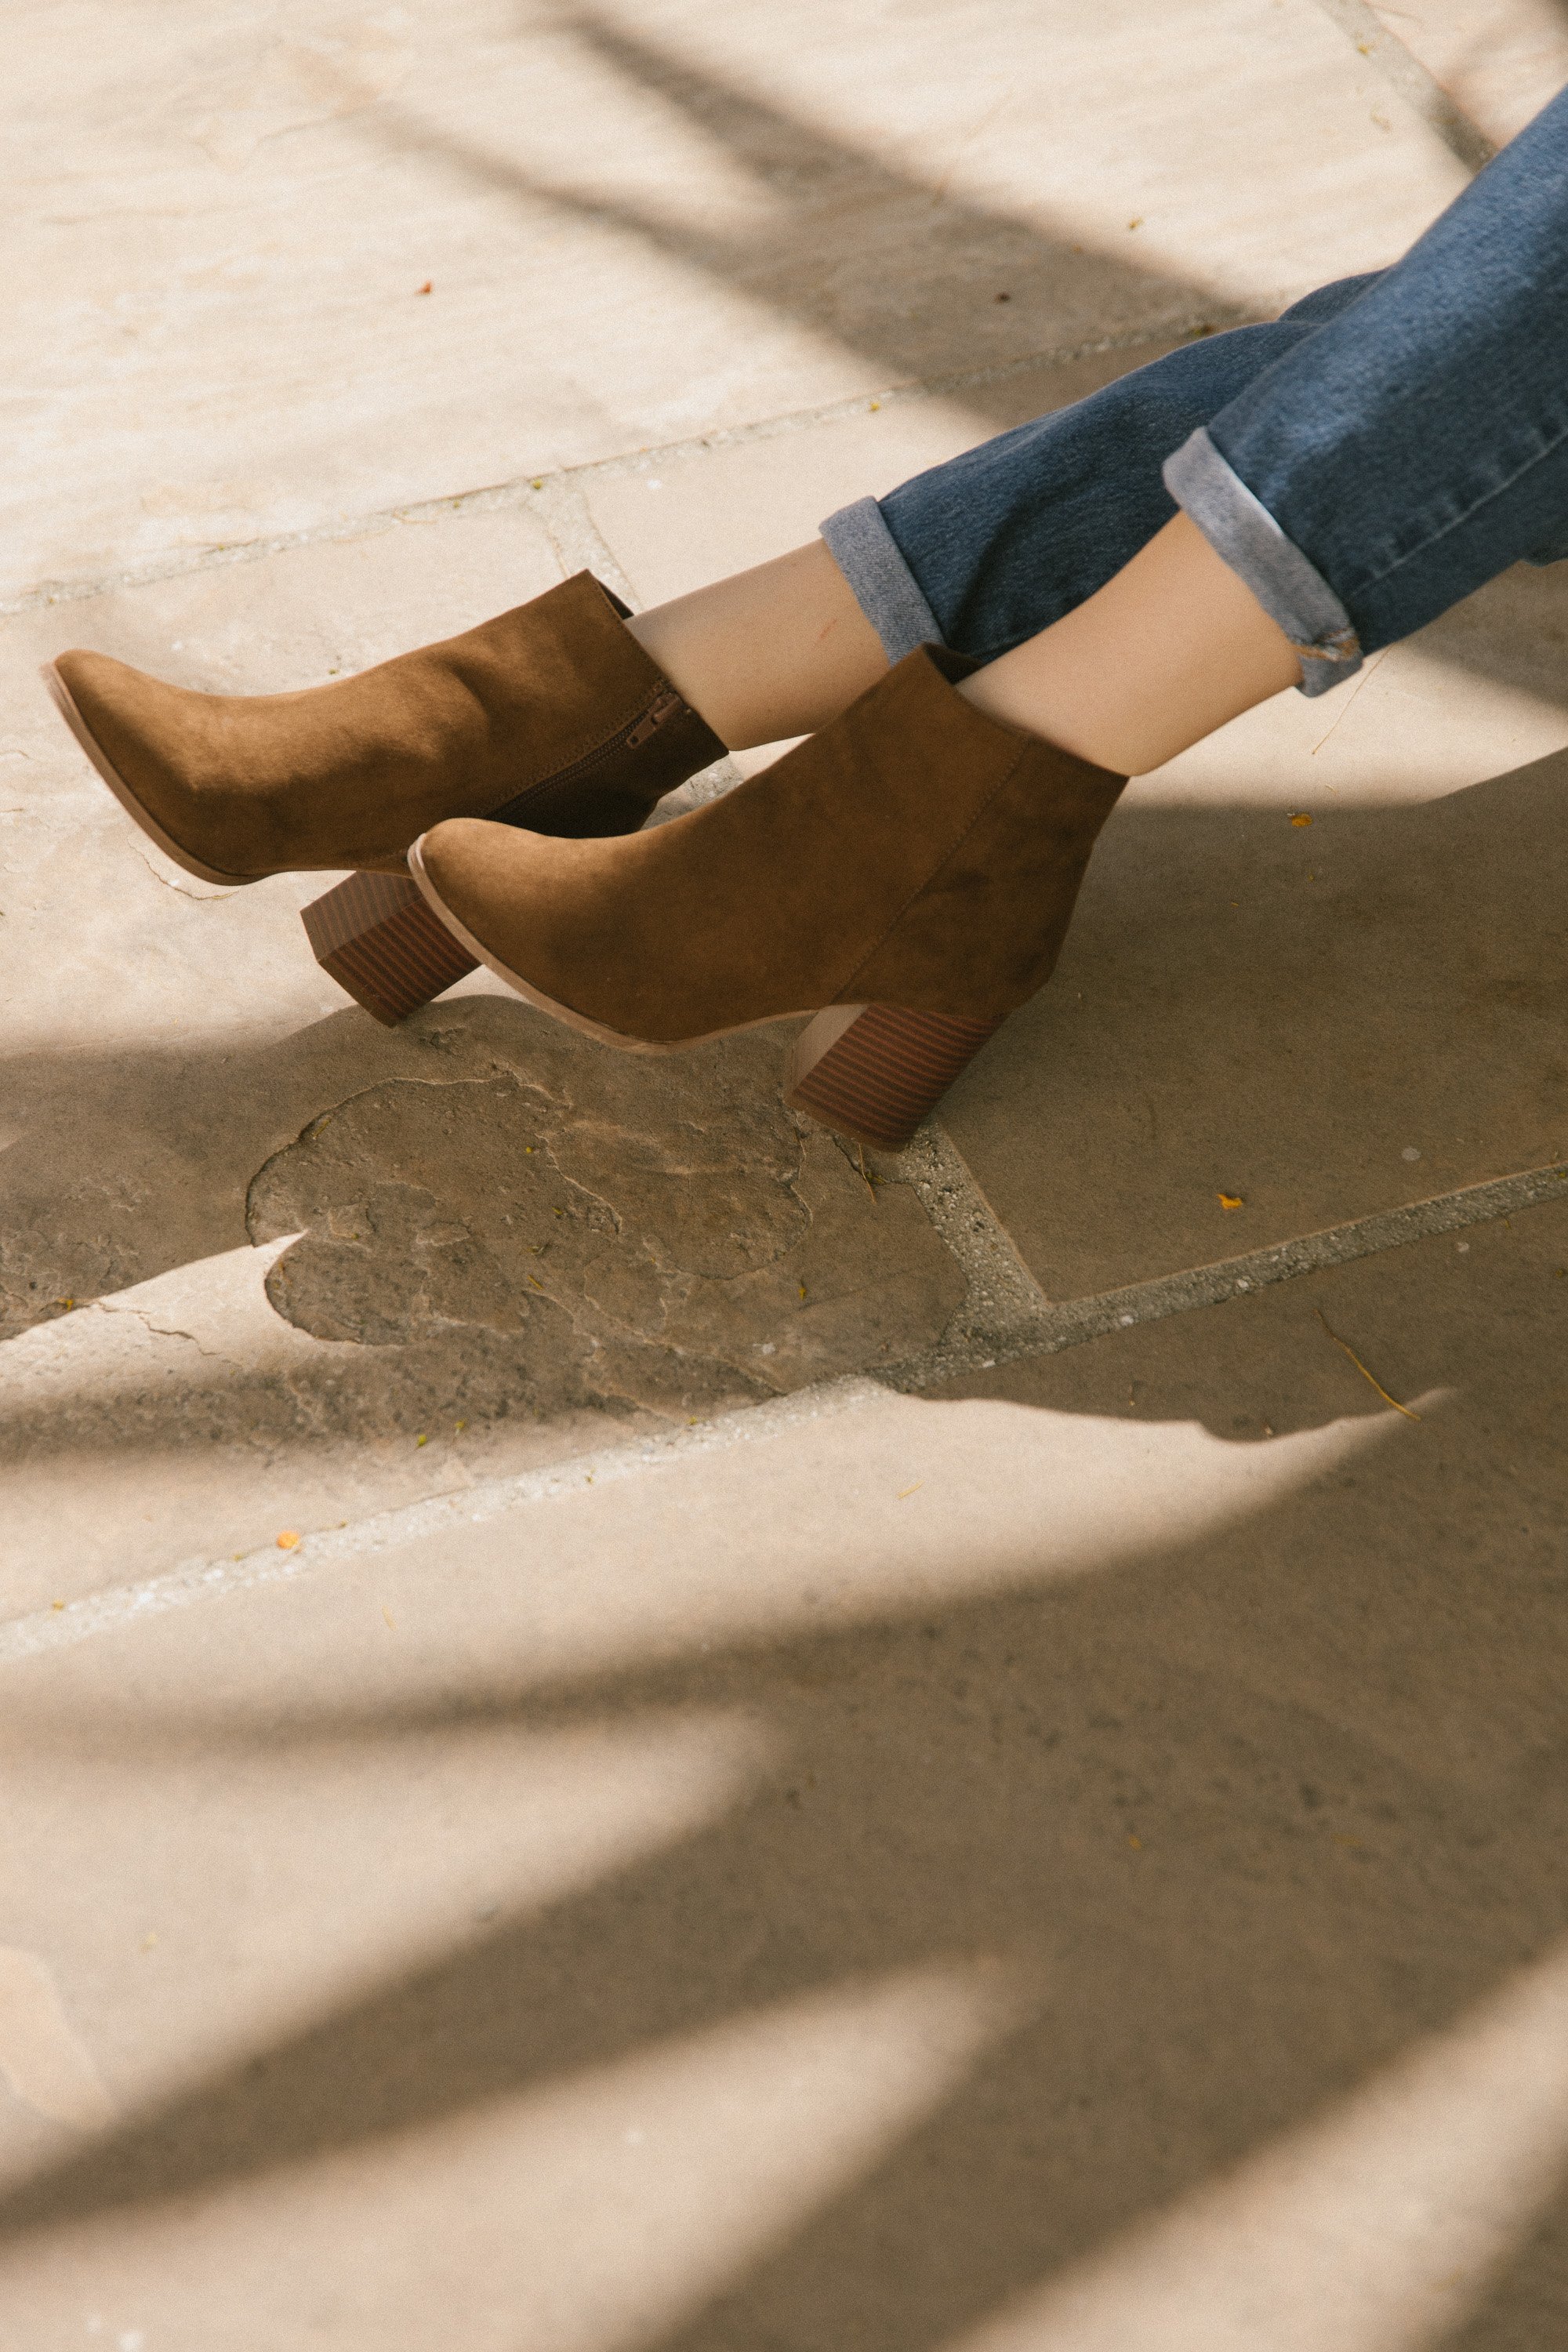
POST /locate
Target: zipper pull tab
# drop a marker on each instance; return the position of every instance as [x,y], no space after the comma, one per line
[664,707]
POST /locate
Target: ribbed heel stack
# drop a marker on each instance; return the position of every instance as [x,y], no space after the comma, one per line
[874,1071]
[377,937]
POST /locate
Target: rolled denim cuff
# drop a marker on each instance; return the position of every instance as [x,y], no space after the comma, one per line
[1245,535]
[885,588]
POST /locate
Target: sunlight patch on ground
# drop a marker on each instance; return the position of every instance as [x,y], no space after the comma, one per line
[1375,2228]
[599,2210]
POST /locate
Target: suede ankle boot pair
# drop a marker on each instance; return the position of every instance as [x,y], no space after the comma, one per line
[551,717]
[906,875]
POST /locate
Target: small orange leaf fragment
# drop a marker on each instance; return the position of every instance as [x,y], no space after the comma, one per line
[1231,1200]
[1299,816]
[287,1539]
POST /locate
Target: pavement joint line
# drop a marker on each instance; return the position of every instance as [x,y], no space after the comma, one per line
[1050,1325]
[1005,1320]
[434,1515]
[1002,1297]
[544,489]
[1416,83]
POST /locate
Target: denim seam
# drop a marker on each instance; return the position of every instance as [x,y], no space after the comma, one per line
[1432,539]
[858,539]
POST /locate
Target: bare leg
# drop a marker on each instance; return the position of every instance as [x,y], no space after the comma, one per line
[776,651]
[1160,657]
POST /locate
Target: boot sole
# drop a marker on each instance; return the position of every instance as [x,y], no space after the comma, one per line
[871,1072]
[65,704]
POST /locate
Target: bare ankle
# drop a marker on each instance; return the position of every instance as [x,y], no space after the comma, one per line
[774,651]
[1170,650]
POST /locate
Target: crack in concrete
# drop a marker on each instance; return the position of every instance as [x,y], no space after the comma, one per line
[196,898]
[1032,1325]
[144,1315]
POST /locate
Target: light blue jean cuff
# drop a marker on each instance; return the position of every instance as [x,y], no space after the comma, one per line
[885,588]
[1245,535]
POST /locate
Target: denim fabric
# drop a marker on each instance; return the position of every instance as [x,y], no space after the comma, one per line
[868,555]
[1417,444]
[1369,459]
[999,542]
[1243,532]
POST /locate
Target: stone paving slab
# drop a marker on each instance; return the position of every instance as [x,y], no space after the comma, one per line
[500,1245]
[635,226]
[1316,970]
[1500,60]
[833,1886]
[183,1082]
[676,523]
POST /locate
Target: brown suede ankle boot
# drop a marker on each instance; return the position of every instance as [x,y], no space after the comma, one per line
[908,874]
[551,716]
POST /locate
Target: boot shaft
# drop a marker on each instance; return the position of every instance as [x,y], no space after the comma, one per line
[912,852]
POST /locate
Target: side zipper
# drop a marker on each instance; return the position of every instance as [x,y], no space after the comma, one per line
[629,738]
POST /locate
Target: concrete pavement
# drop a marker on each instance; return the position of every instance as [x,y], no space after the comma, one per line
[969,1760]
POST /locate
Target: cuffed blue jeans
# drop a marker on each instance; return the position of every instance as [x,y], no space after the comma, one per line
[1362,463]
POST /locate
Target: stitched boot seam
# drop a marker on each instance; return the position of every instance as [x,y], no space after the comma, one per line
[841,995]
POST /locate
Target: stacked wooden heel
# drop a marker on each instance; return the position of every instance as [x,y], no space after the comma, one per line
[379,940]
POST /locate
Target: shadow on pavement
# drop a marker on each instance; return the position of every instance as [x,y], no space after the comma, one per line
[1256,1815]
[900,268]
[1241,1005]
